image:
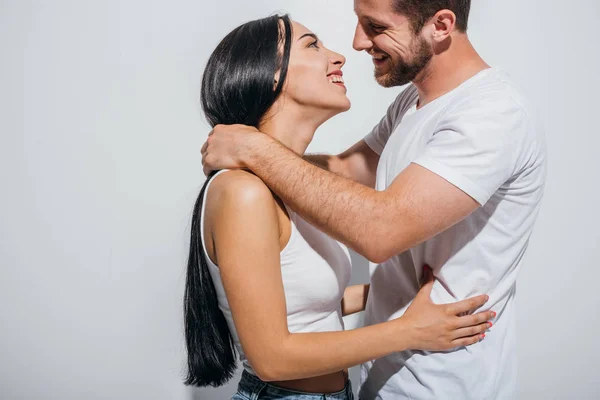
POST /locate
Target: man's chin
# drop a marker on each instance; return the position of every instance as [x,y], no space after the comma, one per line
[384,80]
[387,80]
[380,76]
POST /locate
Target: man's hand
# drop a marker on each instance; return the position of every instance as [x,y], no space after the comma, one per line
[227,146]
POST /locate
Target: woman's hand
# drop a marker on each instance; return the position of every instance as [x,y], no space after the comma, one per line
[441,327]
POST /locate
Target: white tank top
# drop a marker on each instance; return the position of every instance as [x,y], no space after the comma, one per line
[315,270]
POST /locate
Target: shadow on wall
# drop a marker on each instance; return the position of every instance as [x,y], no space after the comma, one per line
[360,274]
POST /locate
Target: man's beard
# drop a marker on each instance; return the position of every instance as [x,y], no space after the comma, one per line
[402,72]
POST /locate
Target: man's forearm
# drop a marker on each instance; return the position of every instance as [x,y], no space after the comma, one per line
[348,211]
[415,207]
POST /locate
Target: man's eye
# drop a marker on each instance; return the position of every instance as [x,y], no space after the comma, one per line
[376,28]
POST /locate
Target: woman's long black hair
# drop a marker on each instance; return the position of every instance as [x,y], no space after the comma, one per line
[238,87]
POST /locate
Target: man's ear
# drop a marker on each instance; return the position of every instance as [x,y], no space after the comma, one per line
[443,23]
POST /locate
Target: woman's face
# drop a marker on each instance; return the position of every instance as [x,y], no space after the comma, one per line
[314,77]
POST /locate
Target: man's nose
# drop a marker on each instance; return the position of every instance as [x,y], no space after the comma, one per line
[361,40]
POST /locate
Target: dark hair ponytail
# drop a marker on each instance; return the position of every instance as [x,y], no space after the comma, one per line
[237,88]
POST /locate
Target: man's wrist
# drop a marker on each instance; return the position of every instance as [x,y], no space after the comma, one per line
[256,145]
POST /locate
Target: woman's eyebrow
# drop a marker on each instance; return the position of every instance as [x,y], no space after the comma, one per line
[312,35]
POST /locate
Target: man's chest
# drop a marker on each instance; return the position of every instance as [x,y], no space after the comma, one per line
[407,142]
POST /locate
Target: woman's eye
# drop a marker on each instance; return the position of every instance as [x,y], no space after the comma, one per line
[314,44]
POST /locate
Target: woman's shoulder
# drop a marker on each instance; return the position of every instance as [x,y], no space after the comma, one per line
[239,190]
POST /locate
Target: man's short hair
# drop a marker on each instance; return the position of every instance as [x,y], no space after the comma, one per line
[420,11]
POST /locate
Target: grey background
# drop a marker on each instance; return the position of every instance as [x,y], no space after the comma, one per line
[100,131]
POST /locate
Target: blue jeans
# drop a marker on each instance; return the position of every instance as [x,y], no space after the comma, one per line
[252,388]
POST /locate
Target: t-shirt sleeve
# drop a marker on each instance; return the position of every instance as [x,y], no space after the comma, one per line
[380,134]
[477,145]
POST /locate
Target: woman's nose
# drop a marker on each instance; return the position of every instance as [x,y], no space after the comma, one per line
[337,59]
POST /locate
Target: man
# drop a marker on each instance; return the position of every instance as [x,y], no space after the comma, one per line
[451,177]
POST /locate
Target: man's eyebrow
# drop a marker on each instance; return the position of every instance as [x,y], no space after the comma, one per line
[375,22]
[312,35]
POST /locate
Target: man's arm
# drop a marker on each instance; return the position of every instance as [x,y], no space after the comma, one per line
[358,163]
[377,224]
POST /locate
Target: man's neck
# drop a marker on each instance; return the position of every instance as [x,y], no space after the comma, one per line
[448,69]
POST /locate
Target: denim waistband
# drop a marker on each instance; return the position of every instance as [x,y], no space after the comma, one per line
[254,388]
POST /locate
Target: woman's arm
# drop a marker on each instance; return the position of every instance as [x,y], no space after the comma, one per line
[355,299]
[245,232]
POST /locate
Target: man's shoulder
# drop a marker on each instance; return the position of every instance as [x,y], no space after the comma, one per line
[495,109]
[494,92]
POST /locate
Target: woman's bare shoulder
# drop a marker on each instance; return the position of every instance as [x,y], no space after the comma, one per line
[238,191]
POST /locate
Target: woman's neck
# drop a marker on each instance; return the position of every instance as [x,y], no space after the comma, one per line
[293,130]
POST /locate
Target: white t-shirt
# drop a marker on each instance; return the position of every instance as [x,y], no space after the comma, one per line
[483,138]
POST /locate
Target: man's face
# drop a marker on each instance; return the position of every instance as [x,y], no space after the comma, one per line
[399,55]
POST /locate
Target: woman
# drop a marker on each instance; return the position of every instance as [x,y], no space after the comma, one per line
[263,282]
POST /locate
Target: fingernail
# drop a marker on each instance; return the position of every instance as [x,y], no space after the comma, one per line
[494,314]
[483,336]
[490,324]
[487,298]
